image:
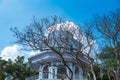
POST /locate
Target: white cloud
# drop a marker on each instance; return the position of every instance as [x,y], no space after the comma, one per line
[11,52]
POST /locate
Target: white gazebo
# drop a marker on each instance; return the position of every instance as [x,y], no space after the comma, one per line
[50,67]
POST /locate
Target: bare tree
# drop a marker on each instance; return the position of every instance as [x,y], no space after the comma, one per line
[35,36]
[89,49]
[109,28]
[54,32]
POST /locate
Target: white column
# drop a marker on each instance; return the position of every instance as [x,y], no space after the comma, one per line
[55,72]
[71,67]
[50,76]
[73,72]
[40,72]
[52,72]
[68,72]
[80,73]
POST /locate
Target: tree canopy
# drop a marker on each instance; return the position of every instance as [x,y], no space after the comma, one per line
[17,69]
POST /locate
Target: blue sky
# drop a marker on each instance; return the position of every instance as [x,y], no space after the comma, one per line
[19,13]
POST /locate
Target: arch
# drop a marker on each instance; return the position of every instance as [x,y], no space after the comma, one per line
[45,72]
[61,71]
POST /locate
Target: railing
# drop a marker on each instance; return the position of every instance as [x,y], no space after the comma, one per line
[36,78]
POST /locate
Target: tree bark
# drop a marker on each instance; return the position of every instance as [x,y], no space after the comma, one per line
[93,73]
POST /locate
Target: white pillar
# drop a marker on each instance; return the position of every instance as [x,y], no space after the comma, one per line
[80,73]
[68,72]
[52,72]
[71,67]
[55,72]
[40,72]
[50,76]
[73,72]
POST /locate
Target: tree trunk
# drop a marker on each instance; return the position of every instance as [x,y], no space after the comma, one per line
[108,75]
[88,76]
[93,73]
[101,74]
[94,77]
[118,71]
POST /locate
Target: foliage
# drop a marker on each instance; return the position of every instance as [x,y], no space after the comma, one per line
[17,69]
[2,68]
[108,58]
